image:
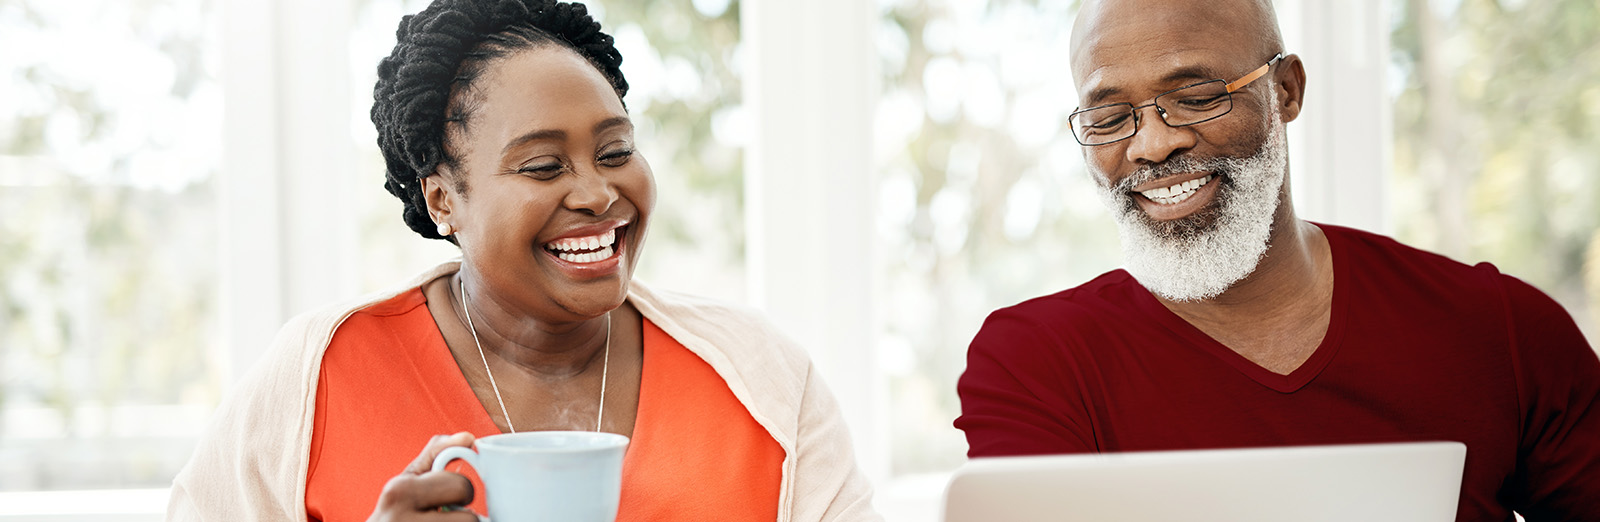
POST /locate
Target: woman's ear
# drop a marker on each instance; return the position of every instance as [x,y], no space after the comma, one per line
[438,193]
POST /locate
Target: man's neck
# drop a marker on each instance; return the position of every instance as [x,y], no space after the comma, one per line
[1278,314]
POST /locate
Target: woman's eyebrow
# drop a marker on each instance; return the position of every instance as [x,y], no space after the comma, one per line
[547,134]
[612,122]
[558,134]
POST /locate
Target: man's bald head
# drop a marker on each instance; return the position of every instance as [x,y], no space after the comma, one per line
[1130,29]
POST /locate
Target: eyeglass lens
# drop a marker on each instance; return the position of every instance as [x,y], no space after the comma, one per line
[1187,106]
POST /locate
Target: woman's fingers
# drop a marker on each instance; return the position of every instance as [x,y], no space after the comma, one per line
[451,516]
[424,461]
[436,516]
[425,516]
[418,492]
[426,492]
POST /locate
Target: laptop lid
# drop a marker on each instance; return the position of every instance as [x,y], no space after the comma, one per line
[1403,482]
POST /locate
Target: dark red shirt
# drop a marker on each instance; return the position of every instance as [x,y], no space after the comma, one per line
[1419,347]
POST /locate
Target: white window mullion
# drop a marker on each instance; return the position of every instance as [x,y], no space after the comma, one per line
[248,200]
[810,80]
[288,227]
[1340,147]
[318,158]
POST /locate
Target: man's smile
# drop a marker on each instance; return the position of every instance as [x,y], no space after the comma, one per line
[1176,197]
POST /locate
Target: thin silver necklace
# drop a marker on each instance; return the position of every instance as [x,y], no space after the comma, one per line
[605,364]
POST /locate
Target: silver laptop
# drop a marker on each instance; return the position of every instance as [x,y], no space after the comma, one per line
[1406,482]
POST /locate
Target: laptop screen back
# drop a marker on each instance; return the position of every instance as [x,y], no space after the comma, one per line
[1406,482]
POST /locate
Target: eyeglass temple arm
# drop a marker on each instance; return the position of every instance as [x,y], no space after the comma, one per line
[1240,83]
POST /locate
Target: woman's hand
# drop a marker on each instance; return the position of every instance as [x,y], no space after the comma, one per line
[418,493]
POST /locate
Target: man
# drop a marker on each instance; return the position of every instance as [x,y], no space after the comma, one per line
[1237,324]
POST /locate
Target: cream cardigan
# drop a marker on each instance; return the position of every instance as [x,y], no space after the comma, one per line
[251,464]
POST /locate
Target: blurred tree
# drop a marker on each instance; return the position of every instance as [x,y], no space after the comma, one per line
[1497,123]
[983,201]
[682,60]
[107,237]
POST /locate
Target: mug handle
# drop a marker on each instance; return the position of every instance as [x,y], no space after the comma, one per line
[450,454]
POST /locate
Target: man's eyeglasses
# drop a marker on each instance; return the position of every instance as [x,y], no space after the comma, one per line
[1183,106]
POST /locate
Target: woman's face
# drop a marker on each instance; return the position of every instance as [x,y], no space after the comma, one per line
[557,198]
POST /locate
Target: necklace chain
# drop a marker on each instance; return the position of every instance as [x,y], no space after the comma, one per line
[605,365]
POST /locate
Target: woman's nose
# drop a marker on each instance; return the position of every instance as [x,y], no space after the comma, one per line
[591,191]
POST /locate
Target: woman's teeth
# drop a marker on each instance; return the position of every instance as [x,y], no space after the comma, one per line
[584,249]
[1176,193]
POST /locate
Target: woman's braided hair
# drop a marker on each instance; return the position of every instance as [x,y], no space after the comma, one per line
[425,84]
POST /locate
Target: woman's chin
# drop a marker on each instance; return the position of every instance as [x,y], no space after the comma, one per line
[594,300]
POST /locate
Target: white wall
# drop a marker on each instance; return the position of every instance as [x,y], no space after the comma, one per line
[288,234]
[810,81]
[1339,149]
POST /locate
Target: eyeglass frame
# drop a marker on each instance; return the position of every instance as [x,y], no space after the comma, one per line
[1228,89]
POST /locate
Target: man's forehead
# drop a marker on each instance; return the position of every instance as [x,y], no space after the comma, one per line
[1136,80]
[1113,37]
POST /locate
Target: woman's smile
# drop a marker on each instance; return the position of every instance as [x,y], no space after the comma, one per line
[590,251]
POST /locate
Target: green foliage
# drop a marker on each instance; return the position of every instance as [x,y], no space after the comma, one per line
[108,294]
[701,205]
[997,207]
[1498,124]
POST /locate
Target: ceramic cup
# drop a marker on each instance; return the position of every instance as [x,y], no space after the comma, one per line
[540,476]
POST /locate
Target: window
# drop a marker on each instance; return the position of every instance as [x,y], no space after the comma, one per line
[1496,118]
[983,199]
[877,176]
[108,237]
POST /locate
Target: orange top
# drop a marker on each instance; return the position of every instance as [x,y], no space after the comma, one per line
[388,384]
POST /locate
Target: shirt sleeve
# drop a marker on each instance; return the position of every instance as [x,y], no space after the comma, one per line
[1558,384]
[1016,399]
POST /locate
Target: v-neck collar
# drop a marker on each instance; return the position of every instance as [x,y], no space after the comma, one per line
[482,422]
[1308,370]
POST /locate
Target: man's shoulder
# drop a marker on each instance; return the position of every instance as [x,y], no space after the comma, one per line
[1074,313]
[1104,294]
[1369,254]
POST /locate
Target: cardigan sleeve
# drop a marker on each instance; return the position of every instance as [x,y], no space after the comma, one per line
[250,463]
[828,486]
[776,380]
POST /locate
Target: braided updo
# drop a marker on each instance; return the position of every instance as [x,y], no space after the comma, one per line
[424,86]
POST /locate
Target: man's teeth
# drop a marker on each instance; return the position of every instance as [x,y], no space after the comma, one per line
[584,249]
[1176,193]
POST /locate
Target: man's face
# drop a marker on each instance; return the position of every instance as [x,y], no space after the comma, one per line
[1196,203]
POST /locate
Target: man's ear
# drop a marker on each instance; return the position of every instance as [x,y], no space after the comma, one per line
[1290,81]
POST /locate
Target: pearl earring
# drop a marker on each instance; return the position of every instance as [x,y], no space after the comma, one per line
[445,229]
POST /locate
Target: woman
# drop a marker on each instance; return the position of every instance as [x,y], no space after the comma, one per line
[504,132]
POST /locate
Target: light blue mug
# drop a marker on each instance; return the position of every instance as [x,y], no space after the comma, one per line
[566,476]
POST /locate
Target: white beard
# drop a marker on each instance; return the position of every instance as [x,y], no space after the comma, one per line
[1199,256]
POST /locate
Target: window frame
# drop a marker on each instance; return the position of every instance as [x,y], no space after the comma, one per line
[290,245]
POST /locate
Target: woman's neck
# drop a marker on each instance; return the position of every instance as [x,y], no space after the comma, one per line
[546,348]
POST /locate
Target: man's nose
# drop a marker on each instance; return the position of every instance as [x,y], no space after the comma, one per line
[1155,141]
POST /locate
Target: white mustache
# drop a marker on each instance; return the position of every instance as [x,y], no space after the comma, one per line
[1221,165]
